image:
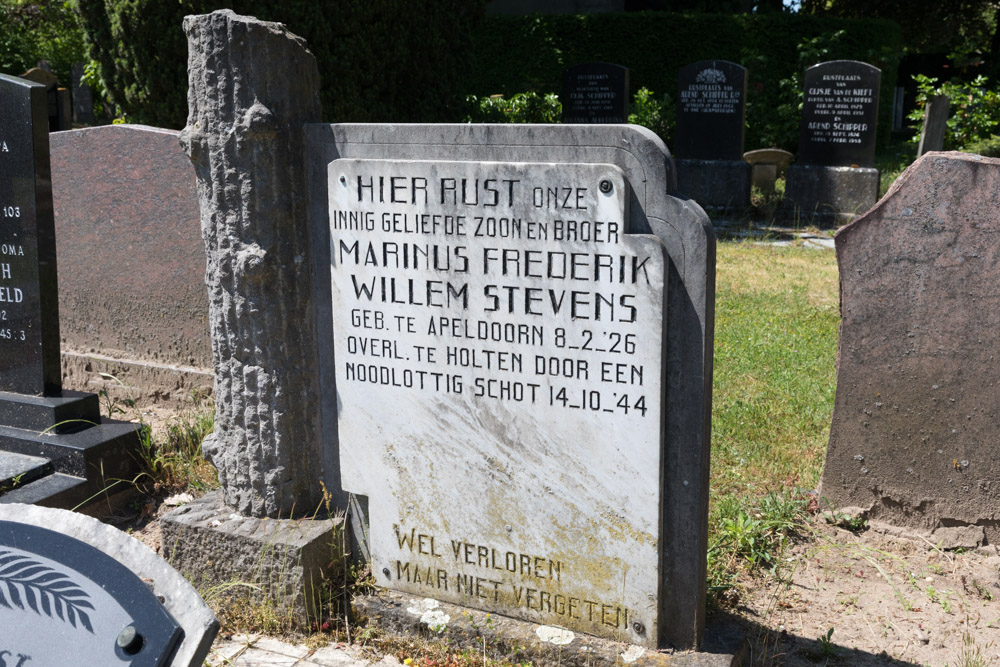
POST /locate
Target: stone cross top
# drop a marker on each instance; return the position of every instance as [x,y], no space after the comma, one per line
[245,138]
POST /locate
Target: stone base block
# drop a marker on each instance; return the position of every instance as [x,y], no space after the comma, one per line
[827,196]
[724,644]
[283,562]
[720,186]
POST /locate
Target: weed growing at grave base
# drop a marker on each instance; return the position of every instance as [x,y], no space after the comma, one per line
[775,349]
[170,460]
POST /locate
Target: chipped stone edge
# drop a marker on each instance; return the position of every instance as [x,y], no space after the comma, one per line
[179,597]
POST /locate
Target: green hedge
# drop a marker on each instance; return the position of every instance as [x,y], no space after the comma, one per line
[522,53]
[379,60]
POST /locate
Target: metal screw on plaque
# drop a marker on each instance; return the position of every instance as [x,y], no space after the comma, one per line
[385,571]
[129,640]
[638,627]
[606,186]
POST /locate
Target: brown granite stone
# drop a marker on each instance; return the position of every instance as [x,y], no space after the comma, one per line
[915,438]
[131,256]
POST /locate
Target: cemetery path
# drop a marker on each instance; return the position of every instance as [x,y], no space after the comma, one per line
[875,597]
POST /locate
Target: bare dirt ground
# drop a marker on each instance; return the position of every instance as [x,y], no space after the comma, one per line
[888,599]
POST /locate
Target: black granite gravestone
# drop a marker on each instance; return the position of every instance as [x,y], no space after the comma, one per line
[711,108]
[63,602]
[54,447]
[839,114]
[595,93]
[29,307]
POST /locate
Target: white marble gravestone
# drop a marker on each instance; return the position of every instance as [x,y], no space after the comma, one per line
[499,341]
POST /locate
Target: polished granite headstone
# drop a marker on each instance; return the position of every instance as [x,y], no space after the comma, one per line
[708,141]
[711,111]
[833,179]
[37,417]
[74,591]
[595,93]
[839,114]
[29,309]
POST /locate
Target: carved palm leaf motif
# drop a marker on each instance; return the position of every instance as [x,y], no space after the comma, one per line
[24,581]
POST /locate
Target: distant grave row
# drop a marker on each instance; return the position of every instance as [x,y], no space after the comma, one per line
[837,133]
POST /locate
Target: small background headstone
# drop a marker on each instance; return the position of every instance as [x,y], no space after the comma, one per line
[935,124]
[833,180]
[711,111]
[83,99]
[708,141]
[914,437]
[839,114]
[595,93]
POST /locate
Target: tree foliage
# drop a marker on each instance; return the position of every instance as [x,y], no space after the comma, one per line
[379,60]
[929,26]
[33,30]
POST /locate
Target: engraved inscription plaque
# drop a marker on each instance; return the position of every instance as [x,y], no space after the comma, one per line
[63,602]
[839,114]
[595,93]
[711,110]
[499,340]
[29,317]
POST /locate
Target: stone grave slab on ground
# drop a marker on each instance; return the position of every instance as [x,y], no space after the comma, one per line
[74,454]
[132,299]
[272,458]
[833,179]
[914,434]
[79,592]
[708,140]
[595,93]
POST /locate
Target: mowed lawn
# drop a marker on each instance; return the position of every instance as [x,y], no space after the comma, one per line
[776,320]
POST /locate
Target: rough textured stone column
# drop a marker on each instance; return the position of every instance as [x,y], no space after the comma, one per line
[252,87]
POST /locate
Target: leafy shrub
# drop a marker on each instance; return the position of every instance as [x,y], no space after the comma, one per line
[659,115]
[974,113]
[989,147]
[520,108]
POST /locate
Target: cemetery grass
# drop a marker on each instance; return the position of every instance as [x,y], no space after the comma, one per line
[811,584]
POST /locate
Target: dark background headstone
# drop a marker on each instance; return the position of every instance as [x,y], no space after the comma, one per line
[83,99]
[595,93]
[711,110]
[935,124]
[29,305]
[839,114]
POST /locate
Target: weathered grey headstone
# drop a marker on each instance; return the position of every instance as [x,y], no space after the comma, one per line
[595,93]
[499,340]
[677,223]
[708,140]
[74,591]
[246,141]
[833,180]
[914,433]
[935,124]
[37,417]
